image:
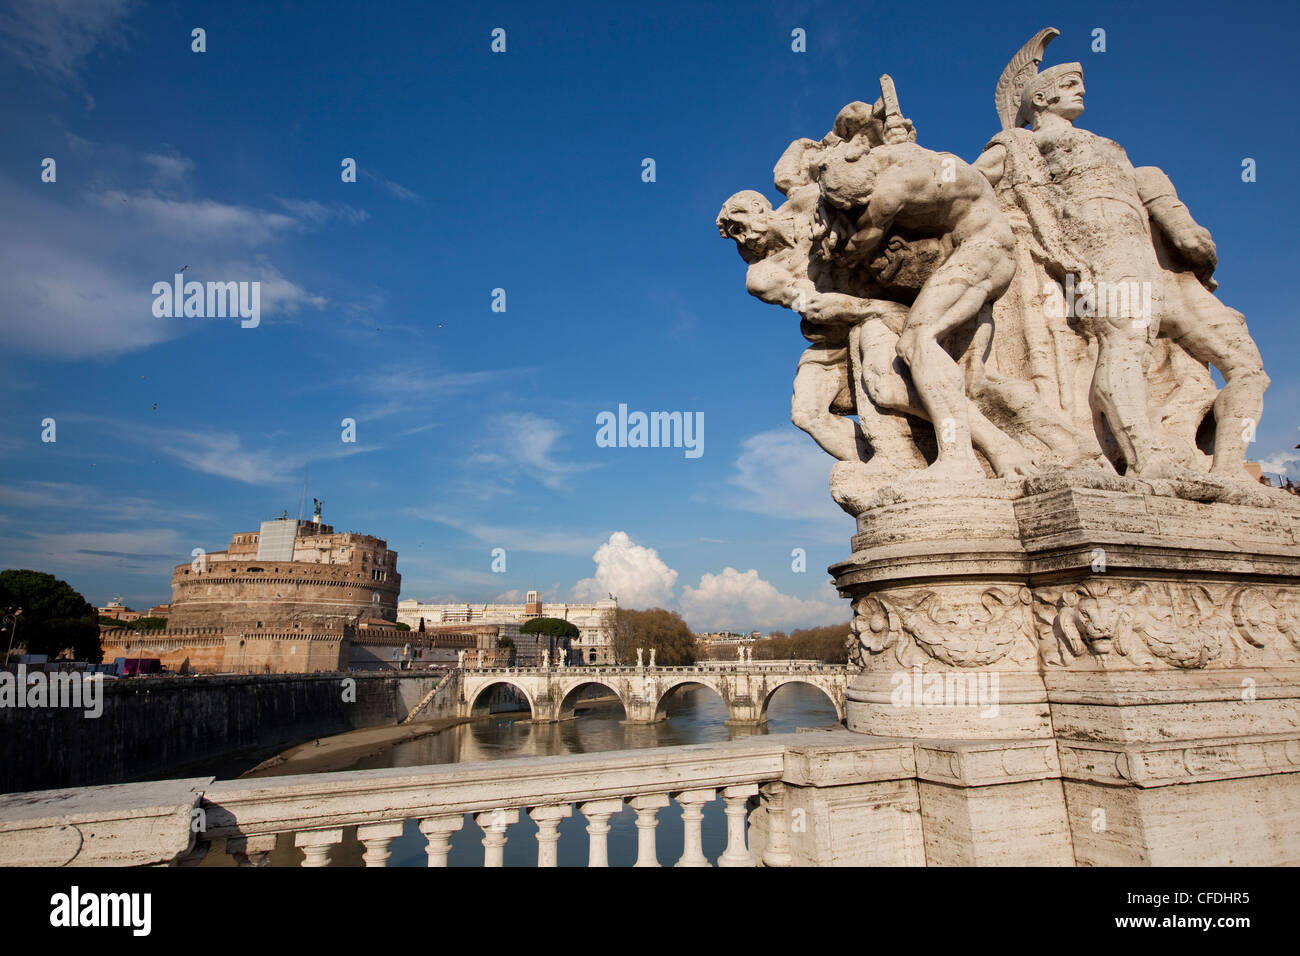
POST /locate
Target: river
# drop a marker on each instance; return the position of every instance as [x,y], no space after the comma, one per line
[695,715]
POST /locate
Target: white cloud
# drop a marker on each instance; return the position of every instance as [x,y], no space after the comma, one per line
[78,278]
[784,474]
[64,498]
[531,440]
[742,601]
[62,301]
[396,189]
[1284,464]
[222,453]
[278,294]
[54,37]
[513,537]
[634,574]
[169,168]
[156,550]
[215,221]
[311,211]
[739,600]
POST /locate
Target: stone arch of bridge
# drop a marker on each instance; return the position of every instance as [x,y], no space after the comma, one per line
[664,693]
[830,696]
[569,696]
[487,685]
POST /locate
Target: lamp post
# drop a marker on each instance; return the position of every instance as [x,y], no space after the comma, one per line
[12,620]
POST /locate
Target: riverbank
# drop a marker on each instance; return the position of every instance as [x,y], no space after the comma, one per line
[341,751]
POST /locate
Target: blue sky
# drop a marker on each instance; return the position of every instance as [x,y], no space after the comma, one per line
[519,171]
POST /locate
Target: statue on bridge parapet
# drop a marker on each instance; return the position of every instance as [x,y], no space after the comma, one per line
[1010,356]
[930,289]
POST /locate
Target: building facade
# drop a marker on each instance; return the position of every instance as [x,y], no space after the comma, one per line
[119,611]
[595,623]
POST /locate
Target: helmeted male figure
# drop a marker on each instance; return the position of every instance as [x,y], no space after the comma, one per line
[1092,214]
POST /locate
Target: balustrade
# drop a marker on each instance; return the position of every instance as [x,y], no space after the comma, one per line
[247,815]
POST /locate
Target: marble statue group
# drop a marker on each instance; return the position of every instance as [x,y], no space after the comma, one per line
[1049,307]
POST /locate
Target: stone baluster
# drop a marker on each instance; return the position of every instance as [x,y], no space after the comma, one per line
[548,831]
[438,831]
[692,803]
[494,824]
[251,851]
[777,850]
[647,809]
[315,844]
[598,813]
[737,854]
[377,838]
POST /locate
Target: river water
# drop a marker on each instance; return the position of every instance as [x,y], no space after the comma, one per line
[695,715]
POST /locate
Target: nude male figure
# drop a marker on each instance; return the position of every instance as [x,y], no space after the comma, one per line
[905,185]
[776,244]
[1108,209]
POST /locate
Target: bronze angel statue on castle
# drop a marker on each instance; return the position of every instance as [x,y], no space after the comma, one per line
[1047,308]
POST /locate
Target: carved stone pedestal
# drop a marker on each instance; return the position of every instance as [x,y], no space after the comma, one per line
[1097,673]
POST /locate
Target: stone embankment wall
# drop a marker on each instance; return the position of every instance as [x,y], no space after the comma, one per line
[152,727]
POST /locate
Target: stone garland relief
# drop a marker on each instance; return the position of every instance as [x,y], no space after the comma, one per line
[959,626]
[1180,624]
[1102,618]
[1114,624]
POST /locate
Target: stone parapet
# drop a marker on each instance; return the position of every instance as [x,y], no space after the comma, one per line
[1085,659]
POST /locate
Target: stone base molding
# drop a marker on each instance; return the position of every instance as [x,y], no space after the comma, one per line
[1089,671]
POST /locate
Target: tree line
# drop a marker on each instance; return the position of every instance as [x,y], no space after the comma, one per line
[828,644]
[54,617]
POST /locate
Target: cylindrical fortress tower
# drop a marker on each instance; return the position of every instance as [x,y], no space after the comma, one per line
[289,575]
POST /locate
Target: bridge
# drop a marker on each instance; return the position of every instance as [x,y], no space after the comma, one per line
[553,693]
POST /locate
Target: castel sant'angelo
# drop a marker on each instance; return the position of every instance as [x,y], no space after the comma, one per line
[293,596]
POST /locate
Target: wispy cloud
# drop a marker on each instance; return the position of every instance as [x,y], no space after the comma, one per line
[65,498]
[54,38]
[205,217]
[514,537]
[78,267]
[783,474]
[414,387]
[396,189]
[169,168]
[224,453]
[532,442]
[155,550]
[308,210]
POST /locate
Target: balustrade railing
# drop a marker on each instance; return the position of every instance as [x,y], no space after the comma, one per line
[179,821]
[317,809]
[701,667]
